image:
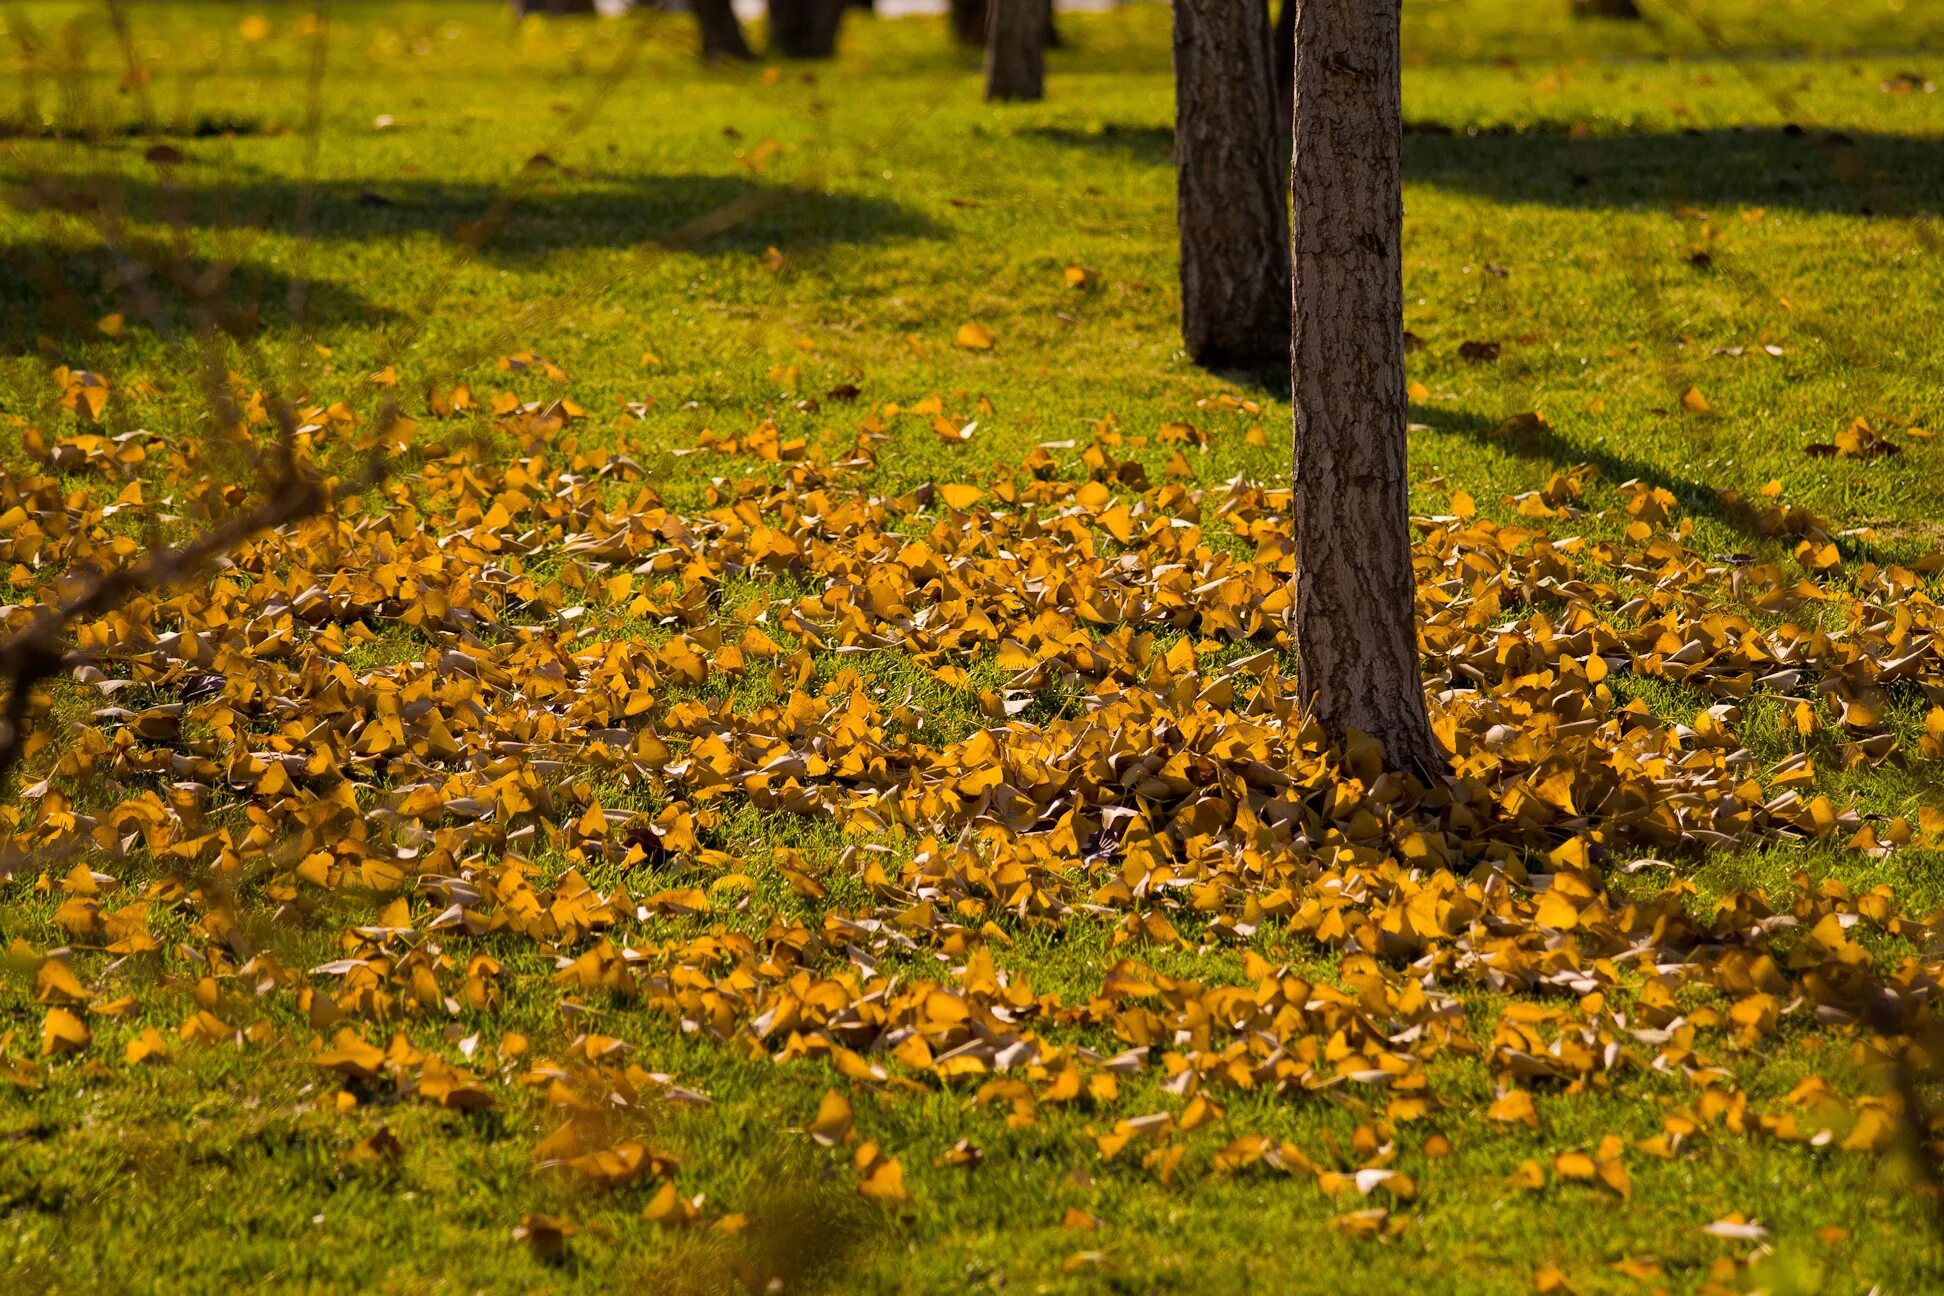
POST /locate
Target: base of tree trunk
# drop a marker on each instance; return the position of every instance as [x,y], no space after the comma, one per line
[1229,187]
[805,29]
[1626,9]
[1015,61]
[722,35]
[969,22]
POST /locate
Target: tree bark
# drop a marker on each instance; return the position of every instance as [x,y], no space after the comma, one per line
[805,29]
[1015,57]
[969,21]
[1356,634]
[1229,186]
[722,35]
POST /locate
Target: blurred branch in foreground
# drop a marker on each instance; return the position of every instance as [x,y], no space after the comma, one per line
[34,654]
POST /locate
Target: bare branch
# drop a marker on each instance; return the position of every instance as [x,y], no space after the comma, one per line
[34,654]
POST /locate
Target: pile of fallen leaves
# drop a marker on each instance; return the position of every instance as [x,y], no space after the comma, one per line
[596,679]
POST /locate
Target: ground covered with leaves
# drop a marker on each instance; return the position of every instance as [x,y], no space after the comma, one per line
[786,771]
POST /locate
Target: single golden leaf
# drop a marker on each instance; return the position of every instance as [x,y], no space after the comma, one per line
[833,1123]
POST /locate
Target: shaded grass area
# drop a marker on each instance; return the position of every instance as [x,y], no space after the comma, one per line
[1555,206]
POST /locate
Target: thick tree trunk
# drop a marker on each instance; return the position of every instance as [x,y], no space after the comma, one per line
[1356,634]
[1015,59]
[1228,185]
[805,29]
[969,21]
[722,35]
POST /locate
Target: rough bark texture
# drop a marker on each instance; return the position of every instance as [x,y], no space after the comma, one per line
[1015,58]
[1228,186]
[722,35]
[1356,634]
[804,29]
[969,21]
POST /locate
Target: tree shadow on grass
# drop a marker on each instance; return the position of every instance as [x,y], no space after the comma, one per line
[61,291]
[704,214]
[1149,144]
[1847,173]
[1541,443]
[1836,172]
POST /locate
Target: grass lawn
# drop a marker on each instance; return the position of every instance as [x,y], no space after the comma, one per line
[1695,263]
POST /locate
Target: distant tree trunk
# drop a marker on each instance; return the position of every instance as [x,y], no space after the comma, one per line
[1283,50]
[1015,59]
[805,29]
[1052,40]
[552,8]
[969,21]
[1356,635]
[1228,184]
[722,35]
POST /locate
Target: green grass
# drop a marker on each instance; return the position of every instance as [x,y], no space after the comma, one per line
[1553,204]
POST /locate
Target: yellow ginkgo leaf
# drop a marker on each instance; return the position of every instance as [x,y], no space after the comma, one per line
[883,1181]
[63,1032]
[149,1044]
[833,1122]
[960,496]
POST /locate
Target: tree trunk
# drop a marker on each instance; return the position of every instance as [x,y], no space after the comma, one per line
[1228,185]
[1626,9]
[722,35]
[969,21]
[1015,59]
[805,29]
[1283,59]
[1356,632]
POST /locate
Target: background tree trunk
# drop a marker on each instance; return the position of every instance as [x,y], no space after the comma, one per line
[1015,58]
[1228,183]
[805,29]
[552,8]
[969,21]
[722,35]
[1626,9]
[1356,631]
[1283,60]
